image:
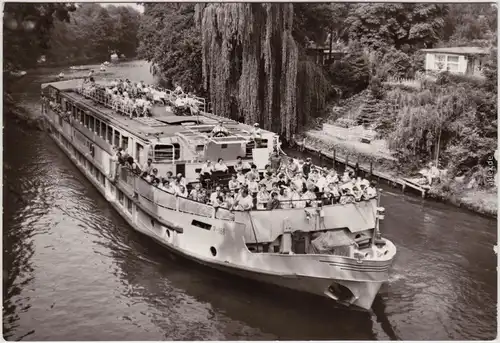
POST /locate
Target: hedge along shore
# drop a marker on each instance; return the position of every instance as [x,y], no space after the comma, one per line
[484,202]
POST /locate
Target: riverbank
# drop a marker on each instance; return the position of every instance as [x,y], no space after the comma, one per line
[19,114]
[382,165]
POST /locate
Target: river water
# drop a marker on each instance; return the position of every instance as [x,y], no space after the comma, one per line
[74,270]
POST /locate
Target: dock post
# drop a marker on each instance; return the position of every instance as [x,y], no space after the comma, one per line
[371,168]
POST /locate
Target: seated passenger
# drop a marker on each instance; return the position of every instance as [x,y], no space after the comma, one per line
[327,197]
[218,201]
[273,202]
[155,182]
[357,193]
[253,186]
[298,181]
[268,169]
[229,200]
[223,203]
[267,181]
[245,202]
[346,177]
[207,169]
[281,180]
[310,198]
[285,198]
[202,196]
[262,197]
[254,172]
[334,190]
[256,135]
[321,182]
[181,179]
[332,177]
[154,172]
[148,166]
[240,165]
[216,194]
[147,177]
[181,191]
[234,184]
[313,176]
[169,176]
[178,90]
[275,188]
[194,192]
[291,168]
[220,165]
[371,191]
[241,178]
[297,201]
[346,197]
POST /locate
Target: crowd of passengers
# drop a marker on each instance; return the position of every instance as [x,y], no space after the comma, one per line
[137,97]
[284,185]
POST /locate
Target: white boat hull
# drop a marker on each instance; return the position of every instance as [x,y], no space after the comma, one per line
[306,273]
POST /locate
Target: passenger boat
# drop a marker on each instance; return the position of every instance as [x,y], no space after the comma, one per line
[272,246]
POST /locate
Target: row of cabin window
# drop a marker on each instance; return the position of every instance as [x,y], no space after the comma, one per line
[161,152]
[100,128]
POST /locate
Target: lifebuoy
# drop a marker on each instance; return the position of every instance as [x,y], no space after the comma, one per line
[221,134]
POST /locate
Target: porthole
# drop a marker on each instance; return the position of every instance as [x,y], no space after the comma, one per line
[152,222]
[213,251]
[168,233]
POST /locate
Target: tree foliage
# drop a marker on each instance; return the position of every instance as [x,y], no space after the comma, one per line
[94,32]
[469,23]
[382,25]
[169,39]
[26,30]
[251,63]
[458,119]
[351,74]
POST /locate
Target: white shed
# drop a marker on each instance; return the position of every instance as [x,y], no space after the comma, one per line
[457,60]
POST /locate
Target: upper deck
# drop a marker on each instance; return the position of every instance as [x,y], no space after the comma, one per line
[163,122]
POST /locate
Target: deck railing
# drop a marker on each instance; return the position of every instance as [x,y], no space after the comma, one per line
[161,198]
[100,96]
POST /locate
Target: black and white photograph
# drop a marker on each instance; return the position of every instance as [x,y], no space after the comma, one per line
[250,171]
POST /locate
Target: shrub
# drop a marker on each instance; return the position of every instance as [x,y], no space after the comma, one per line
[351,74]
[376,88]
[396,63]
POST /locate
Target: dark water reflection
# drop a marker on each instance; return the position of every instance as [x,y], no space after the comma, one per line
[74,270]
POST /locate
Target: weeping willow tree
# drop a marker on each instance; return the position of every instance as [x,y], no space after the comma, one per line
[251,65]
[424,123]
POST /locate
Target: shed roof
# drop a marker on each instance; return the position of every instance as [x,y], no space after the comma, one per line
[461,50]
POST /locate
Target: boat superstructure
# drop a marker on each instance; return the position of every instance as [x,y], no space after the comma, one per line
[277,246]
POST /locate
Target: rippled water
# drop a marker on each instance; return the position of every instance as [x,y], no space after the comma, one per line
[74,270]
